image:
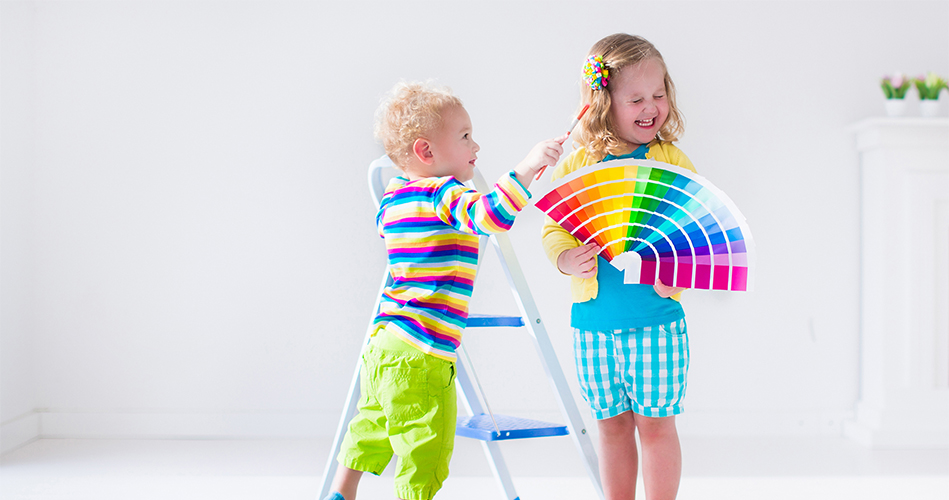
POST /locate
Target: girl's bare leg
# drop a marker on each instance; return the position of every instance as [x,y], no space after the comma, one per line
[662,457]
[619,460]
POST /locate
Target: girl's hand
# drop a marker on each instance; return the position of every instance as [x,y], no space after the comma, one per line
[544,153]
[666,291]
[579,261]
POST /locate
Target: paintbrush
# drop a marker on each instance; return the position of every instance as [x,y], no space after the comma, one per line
[572,126]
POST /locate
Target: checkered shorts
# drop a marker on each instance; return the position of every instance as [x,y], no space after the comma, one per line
[639,369]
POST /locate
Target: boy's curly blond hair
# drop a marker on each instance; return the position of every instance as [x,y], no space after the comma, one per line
[595,131]
[410,111]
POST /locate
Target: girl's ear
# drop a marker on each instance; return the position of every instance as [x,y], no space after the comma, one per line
[423,151]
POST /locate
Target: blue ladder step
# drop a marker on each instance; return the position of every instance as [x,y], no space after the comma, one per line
[481,427]
[487,320]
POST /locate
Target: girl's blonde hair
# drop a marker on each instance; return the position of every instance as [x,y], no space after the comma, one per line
[595,131]
[408,112]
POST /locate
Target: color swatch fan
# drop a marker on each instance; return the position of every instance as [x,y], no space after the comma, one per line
[652,219]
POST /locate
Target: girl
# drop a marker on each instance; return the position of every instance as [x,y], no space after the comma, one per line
[630,341]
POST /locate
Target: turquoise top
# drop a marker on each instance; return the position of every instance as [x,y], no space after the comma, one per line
[620,306]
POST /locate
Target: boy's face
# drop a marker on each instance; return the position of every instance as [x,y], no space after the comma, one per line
[453,150]
[639,106]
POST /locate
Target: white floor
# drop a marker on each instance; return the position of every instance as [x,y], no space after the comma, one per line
[760,469]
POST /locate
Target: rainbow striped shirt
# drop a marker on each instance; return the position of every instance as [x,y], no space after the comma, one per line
[431,229]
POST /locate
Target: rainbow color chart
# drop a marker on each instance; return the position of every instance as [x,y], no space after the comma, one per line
[653,219]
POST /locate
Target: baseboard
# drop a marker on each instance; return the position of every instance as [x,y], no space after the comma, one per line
[892,428]
[174,425]
[19,431]
[264,425]
[710,423]
[723,423]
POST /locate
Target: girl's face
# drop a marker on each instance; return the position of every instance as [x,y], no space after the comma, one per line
[639,106]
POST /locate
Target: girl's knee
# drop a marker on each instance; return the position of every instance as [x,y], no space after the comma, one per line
[620,425]
[656,426]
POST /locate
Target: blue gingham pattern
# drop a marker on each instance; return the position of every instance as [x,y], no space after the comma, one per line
[639,369]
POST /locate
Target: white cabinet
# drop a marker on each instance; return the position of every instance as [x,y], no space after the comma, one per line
[904,331]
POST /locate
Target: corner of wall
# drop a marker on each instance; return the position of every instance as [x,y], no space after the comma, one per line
[19,431]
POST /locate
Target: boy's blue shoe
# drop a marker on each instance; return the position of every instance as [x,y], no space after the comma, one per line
[334,496]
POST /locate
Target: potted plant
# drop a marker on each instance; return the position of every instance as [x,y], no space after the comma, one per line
[929,88]
[894,88]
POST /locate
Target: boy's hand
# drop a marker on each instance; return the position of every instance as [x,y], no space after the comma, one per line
[545,153]
[666,291]
[579,261]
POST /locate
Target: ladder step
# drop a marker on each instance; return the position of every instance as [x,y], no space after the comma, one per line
[481,427]
[488,320]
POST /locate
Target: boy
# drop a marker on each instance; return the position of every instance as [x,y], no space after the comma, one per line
[430,222]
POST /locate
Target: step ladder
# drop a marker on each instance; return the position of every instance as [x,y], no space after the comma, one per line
[480,424]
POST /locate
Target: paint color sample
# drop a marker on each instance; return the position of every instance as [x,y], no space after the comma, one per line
[684,229]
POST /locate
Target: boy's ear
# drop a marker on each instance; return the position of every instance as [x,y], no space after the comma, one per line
[423,151]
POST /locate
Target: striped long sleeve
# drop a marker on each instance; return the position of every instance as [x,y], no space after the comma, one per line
[431,229]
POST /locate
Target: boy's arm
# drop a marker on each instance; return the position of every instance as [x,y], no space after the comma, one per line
[544,153]
[394,184]
[472,212]
[469,211]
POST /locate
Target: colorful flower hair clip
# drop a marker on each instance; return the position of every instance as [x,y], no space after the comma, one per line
[595,73]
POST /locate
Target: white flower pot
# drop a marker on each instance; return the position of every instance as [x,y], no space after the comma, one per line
[929,108]
[895,107]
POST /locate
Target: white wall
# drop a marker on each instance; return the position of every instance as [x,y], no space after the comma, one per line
[189,250]
[18,388]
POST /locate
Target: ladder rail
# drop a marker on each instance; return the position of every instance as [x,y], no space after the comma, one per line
[556,377]
[474,373]
[352,402]
[469,396]
[492,451]
[528,308]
